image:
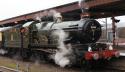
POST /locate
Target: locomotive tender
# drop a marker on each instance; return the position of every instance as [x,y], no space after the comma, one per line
[38,36]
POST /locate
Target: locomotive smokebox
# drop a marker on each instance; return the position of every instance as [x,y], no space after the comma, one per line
[91,31]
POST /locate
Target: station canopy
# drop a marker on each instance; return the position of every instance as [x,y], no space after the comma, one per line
[72,11]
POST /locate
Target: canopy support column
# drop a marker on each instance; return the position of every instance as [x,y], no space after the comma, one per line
[113,30]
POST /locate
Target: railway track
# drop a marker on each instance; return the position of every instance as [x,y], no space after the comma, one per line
[114,66]
[7,69]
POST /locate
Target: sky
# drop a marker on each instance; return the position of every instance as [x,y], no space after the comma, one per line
[12,8]
[109,21]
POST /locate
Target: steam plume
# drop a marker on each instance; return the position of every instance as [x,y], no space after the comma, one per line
[83,7]
[2,51]
[80,4]
[38,17]
[56,15]
[64,54]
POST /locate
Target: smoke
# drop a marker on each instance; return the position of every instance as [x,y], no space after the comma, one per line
[54,13]
[38,17]
[46,14]
[2,51]
[82,7]
[57,17]
[80,3]
[64,54]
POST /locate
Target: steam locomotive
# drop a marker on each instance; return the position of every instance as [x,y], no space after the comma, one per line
[38,37]
[40,33]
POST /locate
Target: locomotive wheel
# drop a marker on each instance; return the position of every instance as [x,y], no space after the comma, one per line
[26,54]
[23,54]
[88,65]
[38,56]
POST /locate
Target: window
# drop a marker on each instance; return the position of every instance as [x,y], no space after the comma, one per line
[11,37]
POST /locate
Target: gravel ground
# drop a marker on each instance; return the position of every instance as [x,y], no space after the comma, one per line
[116,65]
[33,67]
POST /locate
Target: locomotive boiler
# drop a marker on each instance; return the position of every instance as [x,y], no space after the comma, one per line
[80,32]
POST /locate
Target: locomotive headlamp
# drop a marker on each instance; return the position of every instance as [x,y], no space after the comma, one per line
[117,54]
[95,56]
[89,49]
[110,47]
